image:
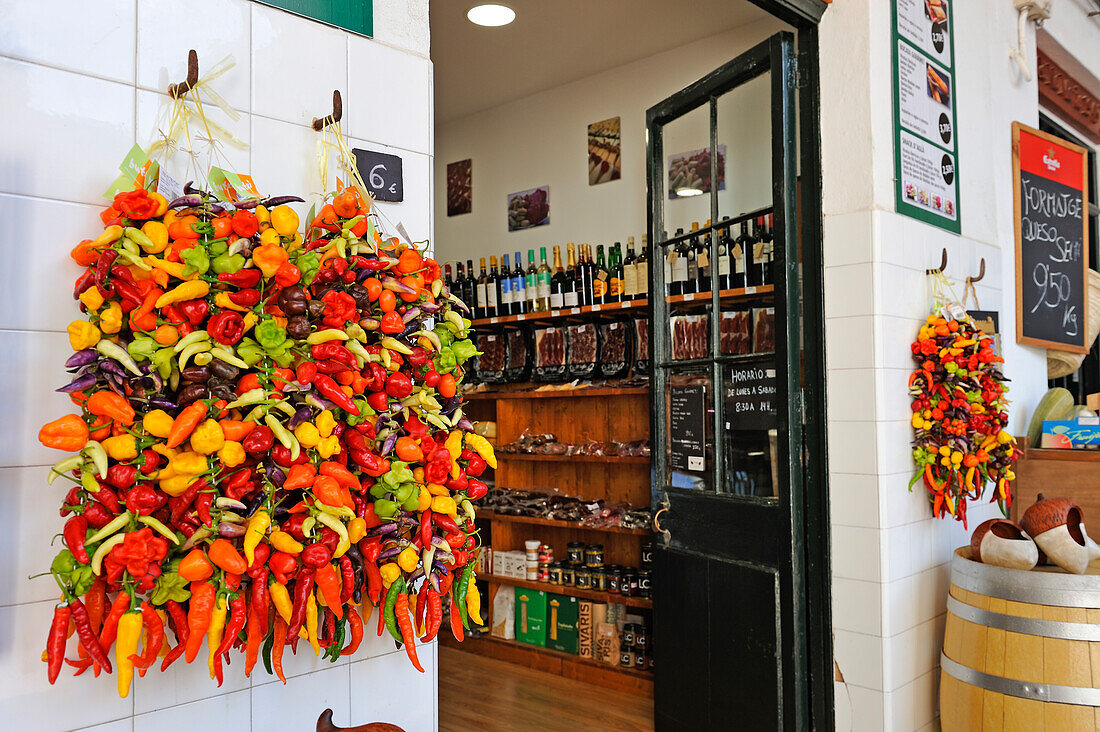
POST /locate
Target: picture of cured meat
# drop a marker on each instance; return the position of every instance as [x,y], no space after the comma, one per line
[735,333]
[938,88]
[604,151]
[641,345]
[460,187]
[550,354]
[614,352]
[518,363]
[763,329]
[490,364]
[583,350]
[689,337]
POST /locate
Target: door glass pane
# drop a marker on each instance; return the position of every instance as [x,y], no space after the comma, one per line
[686,170]
[689,409]
[744,132]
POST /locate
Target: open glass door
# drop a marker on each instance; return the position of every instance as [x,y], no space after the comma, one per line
[729,606]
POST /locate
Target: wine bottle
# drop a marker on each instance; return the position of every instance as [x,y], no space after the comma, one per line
[678,273]
[519,288]
[543,282]
[702,259]
[690,250]
[761,258]
[599,278]
[448,277]
[469,287]
[630,272]
[504,287]
[532,278]
[641,270]
[768,232]
[557,282]
[569,293]
[482,294]
[584,281]
[493,288]
[746,244]
[724,256]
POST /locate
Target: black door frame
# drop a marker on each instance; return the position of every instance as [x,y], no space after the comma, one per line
[811,512]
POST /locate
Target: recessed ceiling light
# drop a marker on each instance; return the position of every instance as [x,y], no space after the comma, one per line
[685,192]
[491,15]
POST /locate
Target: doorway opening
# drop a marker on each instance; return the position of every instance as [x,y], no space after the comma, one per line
[656,352]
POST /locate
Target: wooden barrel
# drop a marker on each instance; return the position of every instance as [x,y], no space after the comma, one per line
[1021,650]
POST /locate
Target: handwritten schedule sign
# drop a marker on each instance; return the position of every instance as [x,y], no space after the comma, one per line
[1051,234]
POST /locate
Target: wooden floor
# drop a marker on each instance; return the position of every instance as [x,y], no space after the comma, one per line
[478,693]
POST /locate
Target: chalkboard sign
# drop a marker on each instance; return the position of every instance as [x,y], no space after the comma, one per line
[381,173]
[1051,240]
[687,428]
[750,397]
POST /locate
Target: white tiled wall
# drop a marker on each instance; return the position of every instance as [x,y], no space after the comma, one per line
[82,82]
[889,558]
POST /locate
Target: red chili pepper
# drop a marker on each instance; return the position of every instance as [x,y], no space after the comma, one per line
[408,635]
[242,277]
[144,499]
[374,581]
[398,385]
[194,310]
[445,522]
[103,272]
[302,587]
[422,605]
[183,631]
[121,476]
[107,497]
[83,283]
[203,501]
[435,614]
[426,530]
[245,298]
[282,565]
[74,533]
[392,323]
[330,390]
[87,635]
[315,555]
[155,629]
[55,641]
[183,502]
[226,327]
[238,616]
[347,580]
[98,516]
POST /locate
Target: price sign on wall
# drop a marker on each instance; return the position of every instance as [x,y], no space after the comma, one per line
[381,173]
[1052,259]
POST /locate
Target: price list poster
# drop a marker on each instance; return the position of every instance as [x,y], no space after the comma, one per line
[925,145]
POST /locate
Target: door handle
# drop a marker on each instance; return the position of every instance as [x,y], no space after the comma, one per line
[664,507]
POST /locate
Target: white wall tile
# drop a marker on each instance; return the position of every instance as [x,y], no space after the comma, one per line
[854,500]
[91,38]
[849,342]
[214,28]
[184,683]
[856,553]
[899,605]
[302,663]
[38,233]
[28,696]
[848,238]
[119,725]
[852,447]
[860,658]
[228,711]
[849,291]
[27,543]
[902,291]
[296,65]
[35,363]
[379,75]
[403,24]
[900,505]
[857,606]
[298,704]
[154,121]
[912,653]
[895,454]
[294,171]
[381,690]
[852,394]
[867,709]
[58,115]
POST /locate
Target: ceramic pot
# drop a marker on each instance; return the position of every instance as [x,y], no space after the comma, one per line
[1002,543]
[1058,527]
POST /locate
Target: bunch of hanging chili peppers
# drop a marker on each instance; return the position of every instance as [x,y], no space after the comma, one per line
[269,440]
[960,418]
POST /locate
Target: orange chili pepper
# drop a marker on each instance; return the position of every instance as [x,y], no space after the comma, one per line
[83,253]
[299,476]
[185,423]
[225,555]
[67,433]
[195,567]
[106,403]
[331,493]
[236,430]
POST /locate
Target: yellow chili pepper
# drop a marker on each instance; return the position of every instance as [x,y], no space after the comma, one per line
[307,434]
[186,291]
[454,444]
[207,437]
[473,603]
[482,447]
[438,490]
[215,631]
[82,334]
[390,572]
[121,447]
[328,447]
[110,320]
[91,299]
[311,623]
[408,558]
[280,598]
[325,422]
[357,529]
[444,504]
[189,462]
[222,301]
[174,269]
[175,485]
[254,534]
[284,542]
[157,234]
[110,235]
[424,499]
[158,423]
[126,645]
[231,454]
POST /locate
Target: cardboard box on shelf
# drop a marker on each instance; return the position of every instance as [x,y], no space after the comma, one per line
[607,644]
[504,613]
[510,564]
[584,628]
[531,616]
[561,623]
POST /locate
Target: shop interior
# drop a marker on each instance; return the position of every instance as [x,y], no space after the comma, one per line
[542,221]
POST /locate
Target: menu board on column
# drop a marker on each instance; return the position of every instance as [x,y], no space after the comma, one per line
[925,147]
[1052,261]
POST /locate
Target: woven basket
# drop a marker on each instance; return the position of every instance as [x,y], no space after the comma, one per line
[1061,363]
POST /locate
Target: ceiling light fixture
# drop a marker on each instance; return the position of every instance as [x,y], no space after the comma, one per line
[686,192]
[491,15]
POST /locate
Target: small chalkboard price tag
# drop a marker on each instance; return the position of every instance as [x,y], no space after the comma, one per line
[1052,258]
[381,173]
[687,428]
[750,397]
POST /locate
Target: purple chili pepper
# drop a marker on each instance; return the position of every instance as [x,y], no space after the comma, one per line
[80,383]
[82,358]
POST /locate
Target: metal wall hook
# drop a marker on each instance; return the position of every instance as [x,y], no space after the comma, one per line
[178,90]
[664,506]
[337,113]
[942,267]
[981,273]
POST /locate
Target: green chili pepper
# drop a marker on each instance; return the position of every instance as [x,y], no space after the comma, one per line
[308,264]
[228,263]
[396,589]
[463,350]
[142,348]
[218,247]
[269,335]
[337,643]
[196,259]
[459,594]
[446,336]
[269,643]
[385,508]
[445,361]
[170,586]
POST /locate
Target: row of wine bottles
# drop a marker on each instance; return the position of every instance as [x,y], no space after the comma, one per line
[593,278]
[587,279]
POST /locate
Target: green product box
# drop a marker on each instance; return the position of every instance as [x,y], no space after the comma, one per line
[531,616]
[561,623]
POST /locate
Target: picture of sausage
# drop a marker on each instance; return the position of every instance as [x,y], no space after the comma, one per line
[937,87]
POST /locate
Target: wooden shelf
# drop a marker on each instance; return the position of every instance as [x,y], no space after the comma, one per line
[593,595]
[557,662]
[573,458]
[632,306]
[526,392]
[537,521]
